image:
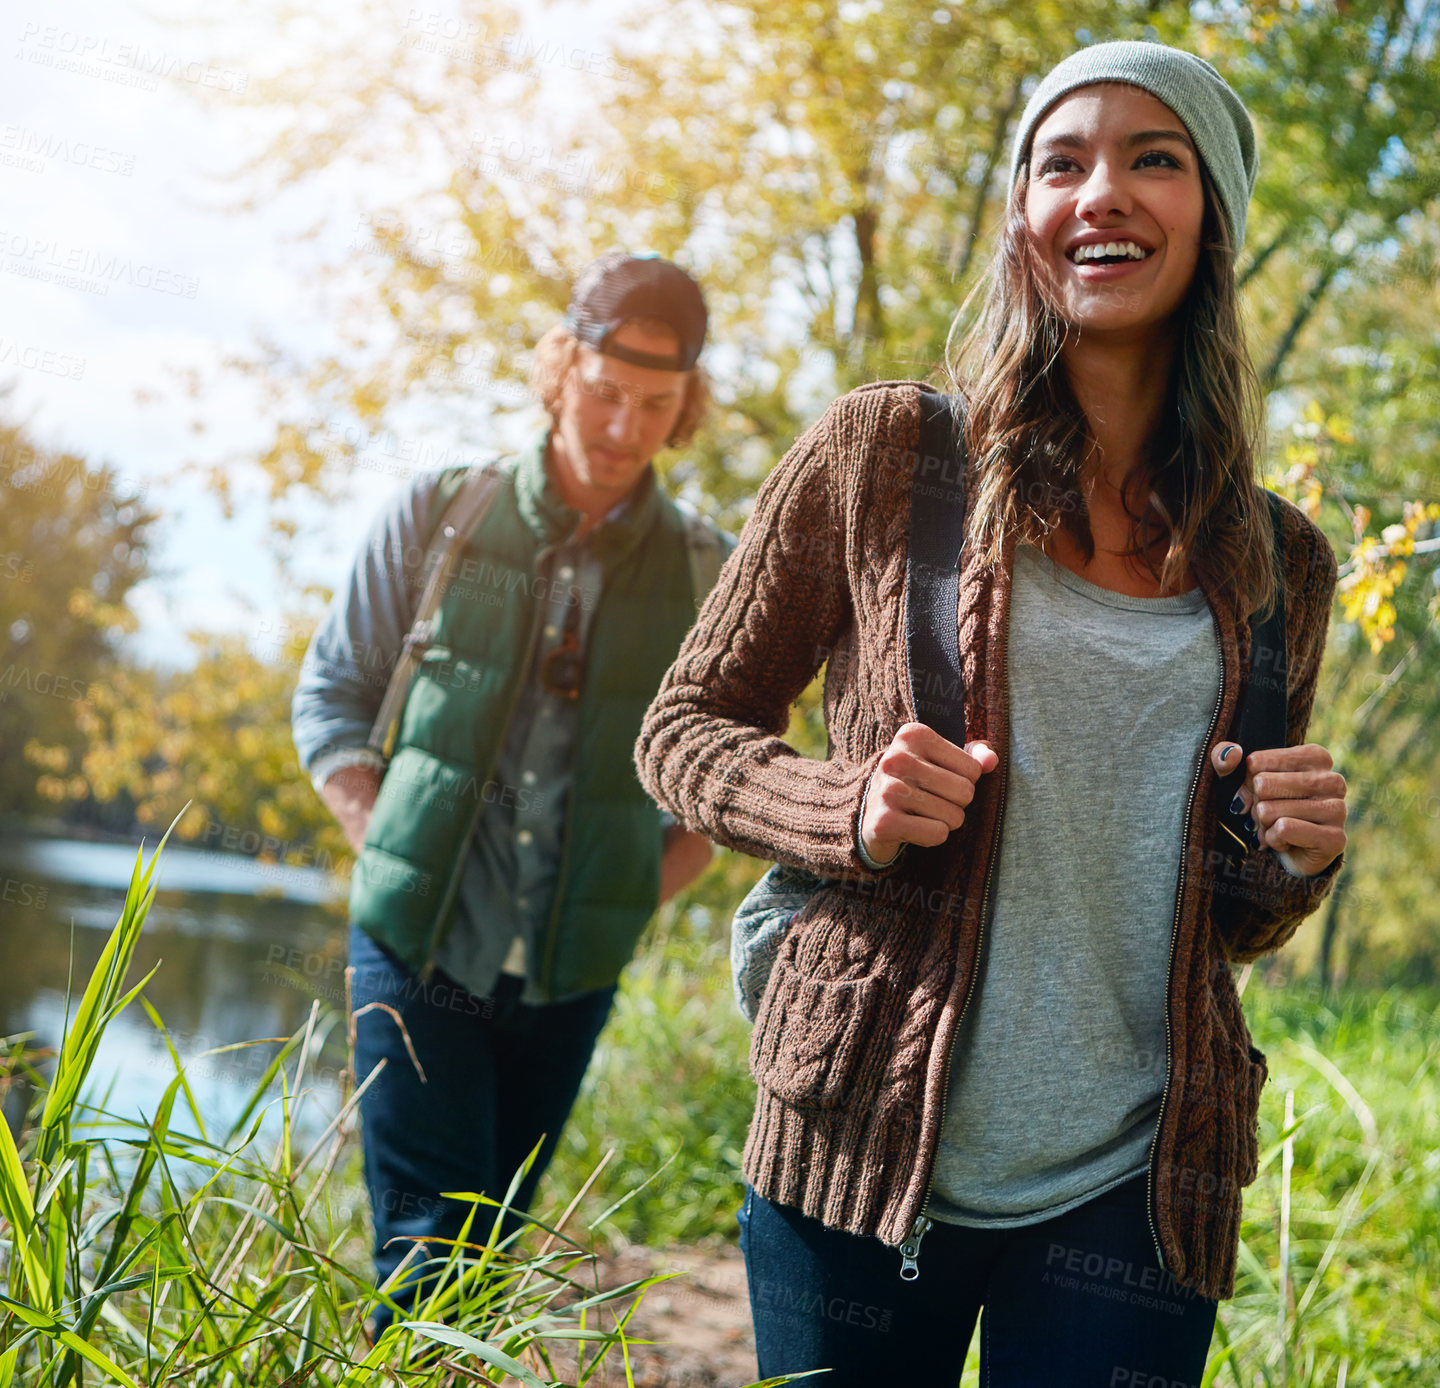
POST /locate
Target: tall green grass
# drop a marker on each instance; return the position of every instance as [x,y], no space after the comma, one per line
[156,1252]
[667,1101]
[1340,1260]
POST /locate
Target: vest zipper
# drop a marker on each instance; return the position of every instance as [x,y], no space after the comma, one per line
[910,1249]
[1151,1208]
[546,973]
[458,871]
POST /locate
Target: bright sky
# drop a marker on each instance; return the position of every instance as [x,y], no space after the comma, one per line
[122,264]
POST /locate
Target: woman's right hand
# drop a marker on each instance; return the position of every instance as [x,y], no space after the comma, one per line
[919,790]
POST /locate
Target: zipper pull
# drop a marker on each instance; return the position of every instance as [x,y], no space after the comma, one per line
[910,1249]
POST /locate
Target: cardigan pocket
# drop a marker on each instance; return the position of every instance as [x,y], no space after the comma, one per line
[1217,1145]
[1255,1072]
[810,1035]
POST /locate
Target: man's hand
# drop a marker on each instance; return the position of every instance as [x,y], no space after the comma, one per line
[919,790]
[350,793]
[685,857]
[1295,800]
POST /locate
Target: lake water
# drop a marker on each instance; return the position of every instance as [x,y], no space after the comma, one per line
[243,947]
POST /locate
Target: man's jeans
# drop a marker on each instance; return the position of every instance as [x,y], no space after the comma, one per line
[1078,1301]
[498,1074]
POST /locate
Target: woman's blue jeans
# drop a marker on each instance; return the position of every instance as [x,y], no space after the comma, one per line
[1078,1301]
[498,1074]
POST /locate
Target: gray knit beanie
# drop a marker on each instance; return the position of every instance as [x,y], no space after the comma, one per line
[1189,86]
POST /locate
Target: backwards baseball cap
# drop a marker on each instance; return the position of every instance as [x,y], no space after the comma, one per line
[619,288]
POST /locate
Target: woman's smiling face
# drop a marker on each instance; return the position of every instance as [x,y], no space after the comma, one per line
[1114,205]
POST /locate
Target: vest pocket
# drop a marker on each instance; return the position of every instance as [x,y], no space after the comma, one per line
[445,714]
[811,1035]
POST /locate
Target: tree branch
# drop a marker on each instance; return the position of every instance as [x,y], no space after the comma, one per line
[982,190]
[1303,312]
[1257,263]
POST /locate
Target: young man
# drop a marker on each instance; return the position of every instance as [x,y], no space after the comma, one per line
[508,858]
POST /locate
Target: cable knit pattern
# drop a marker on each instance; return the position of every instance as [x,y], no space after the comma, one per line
[855,1030]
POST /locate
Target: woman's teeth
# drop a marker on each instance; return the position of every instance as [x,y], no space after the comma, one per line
[1108,250]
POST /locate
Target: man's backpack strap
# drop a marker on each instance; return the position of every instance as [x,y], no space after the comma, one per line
[932,570]
[1262,719]
[705,549]
[465,511]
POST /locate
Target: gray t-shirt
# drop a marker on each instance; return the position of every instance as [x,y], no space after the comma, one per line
[1059,1061]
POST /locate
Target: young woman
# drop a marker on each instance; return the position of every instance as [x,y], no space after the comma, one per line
[1007,1028]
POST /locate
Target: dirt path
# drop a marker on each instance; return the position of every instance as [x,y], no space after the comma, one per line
[699,1320]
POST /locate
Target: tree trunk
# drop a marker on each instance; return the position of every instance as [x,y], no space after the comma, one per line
[868,323]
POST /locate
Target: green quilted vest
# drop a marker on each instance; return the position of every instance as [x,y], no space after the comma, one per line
[406,882]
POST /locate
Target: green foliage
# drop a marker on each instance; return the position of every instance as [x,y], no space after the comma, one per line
[72,546]
[1357,1299]
[834,173]
[210,744]
[669,1094]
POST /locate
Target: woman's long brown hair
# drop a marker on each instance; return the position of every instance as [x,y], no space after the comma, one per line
[1027,437]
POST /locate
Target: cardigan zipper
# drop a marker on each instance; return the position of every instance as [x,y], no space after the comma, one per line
[910,1249]
[1151,1207]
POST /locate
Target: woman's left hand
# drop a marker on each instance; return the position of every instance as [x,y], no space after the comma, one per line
[1295,799]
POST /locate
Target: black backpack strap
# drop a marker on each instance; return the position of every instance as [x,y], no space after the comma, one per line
[937,535]
[1263,715]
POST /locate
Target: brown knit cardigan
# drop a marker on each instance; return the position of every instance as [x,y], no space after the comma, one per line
[853,1039]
